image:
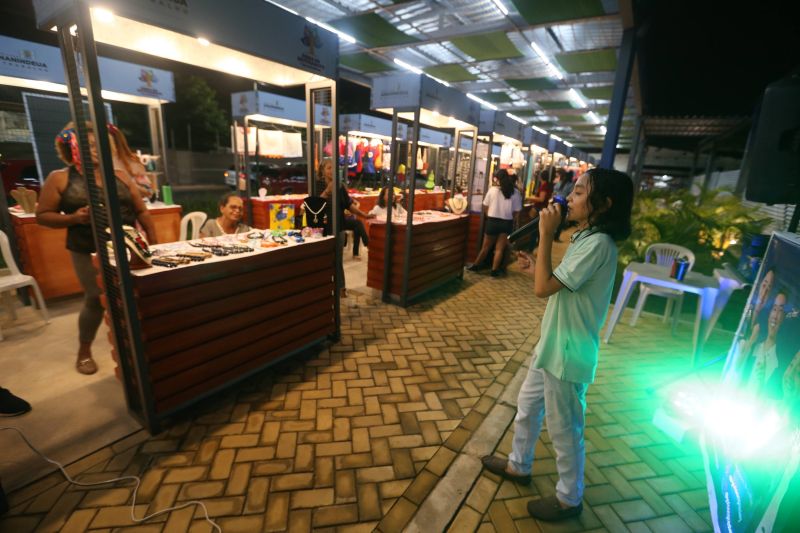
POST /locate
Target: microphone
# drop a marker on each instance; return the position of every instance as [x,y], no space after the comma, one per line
[526,238]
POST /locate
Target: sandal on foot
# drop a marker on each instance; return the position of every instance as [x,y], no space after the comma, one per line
[86,366]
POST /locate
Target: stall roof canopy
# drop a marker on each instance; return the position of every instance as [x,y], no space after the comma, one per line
[249,38]
[475,47]
[39,66]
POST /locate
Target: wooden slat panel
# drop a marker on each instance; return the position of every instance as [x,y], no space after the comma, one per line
[205,332]
[205,372]
[258,335]
[218,381]
[207,272]
[188,297]
[213,308]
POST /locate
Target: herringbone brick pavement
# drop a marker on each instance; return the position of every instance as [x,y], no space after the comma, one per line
[637,478]
[355,436]
[330,440]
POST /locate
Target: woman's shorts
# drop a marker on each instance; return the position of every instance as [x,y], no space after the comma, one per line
[496,226]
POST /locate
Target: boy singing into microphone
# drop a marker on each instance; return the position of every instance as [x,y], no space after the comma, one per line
[565,359]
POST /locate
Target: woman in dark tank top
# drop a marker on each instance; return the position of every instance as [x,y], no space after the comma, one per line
[64,203]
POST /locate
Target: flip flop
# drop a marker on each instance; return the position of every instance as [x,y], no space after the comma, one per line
[86,366]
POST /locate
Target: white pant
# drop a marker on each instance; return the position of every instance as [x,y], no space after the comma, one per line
[564,404]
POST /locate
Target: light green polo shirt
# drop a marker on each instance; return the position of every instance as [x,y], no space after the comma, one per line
[570,337]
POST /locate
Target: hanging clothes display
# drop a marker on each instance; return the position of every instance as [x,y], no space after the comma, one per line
[506,153]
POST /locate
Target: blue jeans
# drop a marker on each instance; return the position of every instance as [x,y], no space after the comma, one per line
[564,404]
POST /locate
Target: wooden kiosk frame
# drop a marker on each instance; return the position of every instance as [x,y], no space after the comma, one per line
[263,40]
[421,100]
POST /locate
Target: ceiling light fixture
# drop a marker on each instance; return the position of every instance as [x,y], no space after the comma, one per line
[292,11]
[550,66]
[434,78]
[203,41]
[594,116]
[103,15]
[518,119]
[540,130]
[603,130]
[556,137]
[577,97]
[482,102]
[501,7]
[349,38]
[406,66]
[568,143]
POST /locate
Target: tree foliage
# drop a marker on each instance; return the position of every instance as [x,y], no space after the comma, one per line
[713,226]
[198,106]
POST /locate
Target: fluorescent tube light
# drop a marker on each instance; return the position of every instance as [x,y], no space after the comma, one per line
[501,7]
[550,66]
[556,137]
[540,130]
[480,101]
[568,143]
[577,97]
[406,66]
[515,117]
[349,38]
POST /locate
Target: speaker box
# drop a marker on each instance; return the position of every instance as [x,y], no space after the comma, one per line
[771,164]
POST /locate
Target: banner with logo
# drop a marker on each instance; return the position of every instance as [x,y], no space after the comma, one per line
[752,430]
[370,124]
[249,26]
[40,62]
[497,122]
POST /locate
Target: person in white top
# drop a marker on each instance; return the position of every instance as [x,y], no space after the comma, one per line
[501,206]
[380,210]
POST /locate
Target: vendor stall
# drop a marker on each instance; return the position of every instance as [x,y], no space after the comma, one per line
[169,357]
[248,309]
[437,254]
[365,149]
[499,146]
[421,100]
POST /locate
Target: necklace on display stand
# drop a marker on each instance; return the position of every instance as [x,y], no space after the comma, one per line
[317,212]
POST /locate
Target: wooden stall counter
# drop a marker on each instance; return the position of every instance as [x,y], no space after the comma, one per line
[44,254]
[167,220]
[438,245]
[208,324]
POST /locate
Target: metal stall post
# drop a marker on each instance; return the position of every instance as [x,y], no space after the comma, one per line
[155,119]
[456,160]
[471,173]
[394,148]
[312,89]
[106,216]
[311,171]
[486,180]
[621,81]
[412,186]
[637,138]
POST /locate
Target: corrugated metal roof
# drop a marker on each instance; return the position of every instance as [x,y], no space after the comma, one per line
[436,23]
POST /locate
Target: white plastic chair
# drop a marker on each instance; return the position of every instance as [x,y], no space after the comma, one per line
[664,254]
[197,219]
[17,280]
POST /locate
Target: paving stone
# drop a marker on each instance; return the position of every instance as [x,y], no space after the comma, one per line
[257,492]
[421,486]
[241,524]
[369,503]
[277,511]
[668,524]
[300,521]
[633,510]
[467,519]
[345,486]
[441,461]
[501,519]
[201,490]
[335,515]
[482,494]
[398,516]
[308,499]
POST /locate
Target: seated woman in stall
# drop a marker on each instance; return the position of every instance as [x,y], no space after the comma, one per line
[229,221]
[380,211]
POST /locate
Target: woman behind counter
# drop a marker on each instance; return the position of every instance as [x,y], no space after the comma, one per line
[64,203]
[380,210]
[229,221]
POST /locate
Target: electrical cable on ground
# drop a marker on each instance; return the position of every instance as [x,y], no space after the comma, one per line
[136,479]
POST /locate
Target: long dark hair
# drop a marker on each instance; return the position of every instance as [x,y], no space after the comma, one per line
[382,202]
[506,182]
[605,185]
